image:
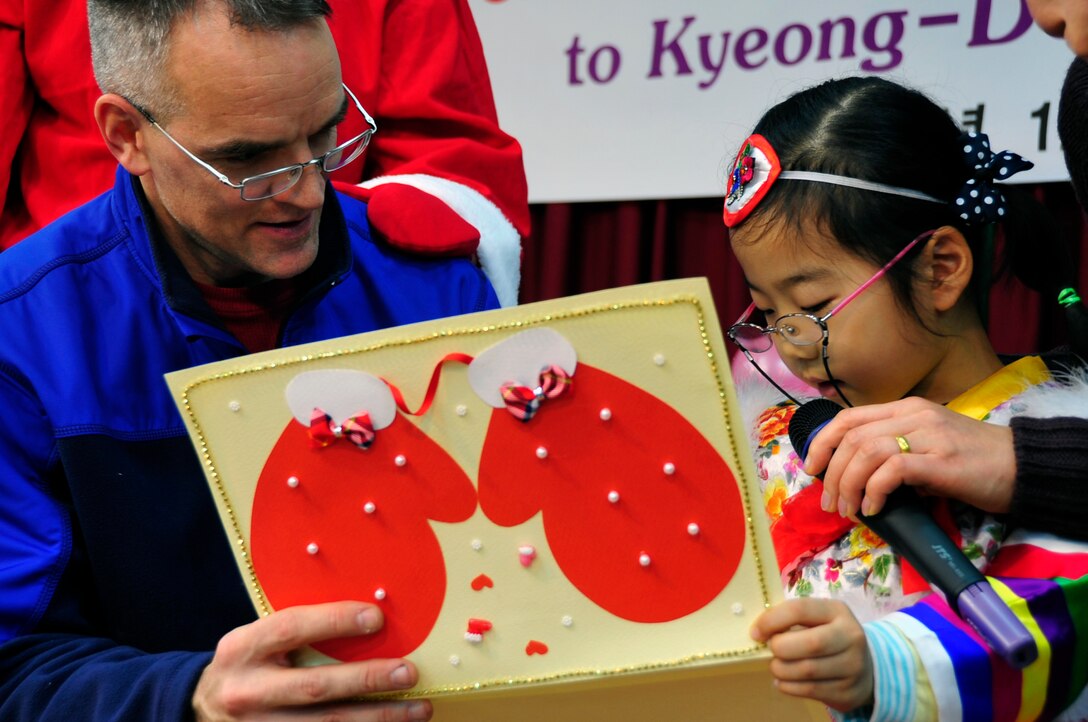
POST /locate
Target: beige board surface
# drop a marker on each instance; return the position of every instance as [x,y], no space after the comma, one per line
[661,338]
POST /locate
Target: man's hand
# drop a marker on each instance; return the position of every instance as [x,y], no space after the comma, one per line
[951,455]
[819,651]
[251,677]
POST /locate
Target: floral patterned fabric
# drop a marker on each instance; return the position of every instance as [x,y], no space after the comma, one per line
[856,565]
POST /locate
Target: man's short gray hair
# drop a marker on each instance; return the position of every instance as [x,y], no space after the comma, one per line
[130,40]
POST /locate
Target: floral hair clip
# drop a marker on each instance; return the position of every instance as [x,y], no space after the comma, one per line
[754,172]
[757,168]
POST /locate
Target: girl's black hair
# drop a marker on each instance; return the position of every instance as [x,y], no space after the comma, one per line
[877,130]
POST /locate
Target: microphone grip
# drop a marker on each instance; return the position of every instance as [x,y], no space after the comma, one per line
[943,564]
[930,550]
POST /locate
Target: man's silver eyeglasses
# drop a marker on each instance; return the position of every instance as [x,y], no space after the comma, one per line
[274,182]
[803,329]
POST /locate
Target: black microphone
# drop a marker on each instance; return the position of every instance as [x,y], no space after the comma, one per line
[906,525]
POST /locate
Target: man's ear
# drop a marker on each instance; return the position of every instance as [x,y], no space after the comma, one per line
[950,264]
[122,129]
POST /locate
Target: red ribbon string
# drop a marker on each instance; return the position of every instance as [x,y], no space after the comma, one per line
[432,387]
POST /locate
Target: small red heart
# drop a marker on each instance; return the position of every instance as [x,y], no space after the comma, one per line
[482,581]
[479,626]
[535,647]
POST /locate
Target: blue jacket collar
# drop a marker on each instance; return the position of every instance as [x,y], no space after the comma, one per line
[180,294]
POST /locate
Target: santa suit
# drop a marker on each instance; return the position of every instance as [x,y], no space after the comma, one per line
[416,65]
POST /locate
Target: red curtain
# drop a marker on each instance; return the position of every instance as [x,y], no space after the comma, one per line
[580,247]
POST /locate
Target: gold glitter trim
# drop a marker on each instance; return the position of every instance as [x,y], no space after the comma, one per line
[509,682]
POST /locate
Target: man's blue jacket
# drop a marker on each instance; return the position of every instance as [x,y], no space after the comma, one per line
[116,578]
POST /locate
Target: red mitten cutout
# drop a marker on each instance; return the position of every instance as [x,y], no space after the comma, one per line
[366,514]
[414,220]
[641,513]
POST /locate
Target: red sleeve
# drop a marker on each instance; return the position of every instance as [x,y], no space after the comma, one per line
[52,153]
[421,70]
[15,95]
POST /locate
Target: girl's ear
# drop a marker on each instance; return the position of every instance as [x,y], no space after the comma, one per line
[122,129]
[950,264]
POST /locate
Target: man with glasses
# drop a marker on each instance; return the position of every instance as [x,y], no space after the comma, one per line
[444,178]
[220,236]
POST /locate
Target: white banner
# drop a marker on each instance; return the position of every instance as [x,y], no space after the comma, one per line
[630,99]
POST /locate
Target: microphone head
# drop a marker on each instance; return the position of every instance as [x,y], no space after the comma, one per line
[807,420]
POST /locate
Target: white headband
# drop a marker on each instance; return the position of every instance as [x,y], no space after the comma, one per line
[841,180]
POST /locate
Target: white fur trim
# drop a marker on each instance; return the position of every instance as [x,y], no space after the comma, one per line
[1068,397]
[500,245]
[756,395]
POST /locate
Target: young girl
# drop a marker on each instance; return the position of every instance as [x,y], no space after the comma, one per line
[863,217]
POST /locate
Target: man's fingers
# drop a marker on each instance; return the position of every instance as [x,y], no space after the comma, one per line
[897,471]
[303,686]
[862,451]
[831,436]
[878,452]
[289,629]
[854,437]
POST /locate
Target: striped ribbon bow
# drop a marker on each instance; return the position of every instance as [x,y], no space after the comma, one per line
[523,402]
[324,431]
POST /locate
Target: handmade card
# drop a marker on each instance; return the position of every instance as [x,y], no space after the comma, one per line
[553,504]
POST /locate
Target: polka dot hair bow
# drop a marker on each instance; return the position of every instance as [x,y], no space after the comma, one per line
[979,202]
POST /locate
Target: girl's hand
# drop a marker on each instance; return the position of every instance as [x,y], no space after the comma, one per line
[819,651]
[951,455]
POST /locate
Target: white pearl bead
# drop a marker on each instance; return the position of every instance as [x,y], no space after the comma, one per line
[234,406]
[541,452]
[477,545]
[644,559]
[370,507]
[462,409]
[613,496]
[455,660]
[400,460]
[659,359]
[693,529]
[738,608]
[311,548]
[606,414]
[567,620]
[292,481]
[379,594]
[669,468]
